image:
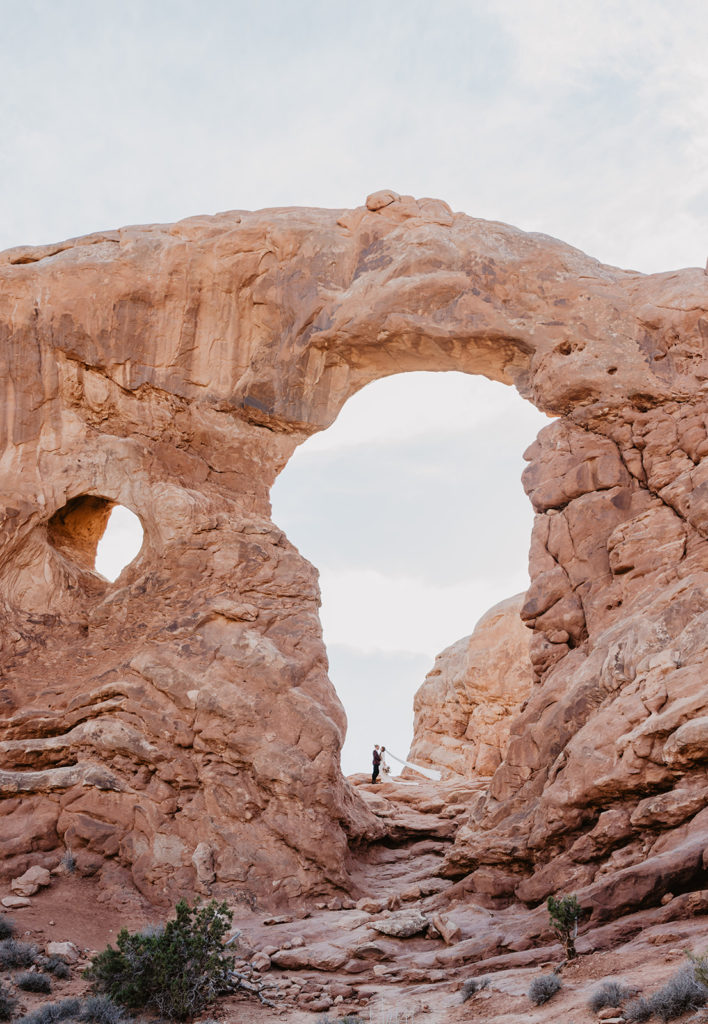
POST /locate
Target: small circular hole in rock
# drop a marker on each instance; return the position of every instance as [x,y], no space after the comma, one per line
[96,534]
[120,543]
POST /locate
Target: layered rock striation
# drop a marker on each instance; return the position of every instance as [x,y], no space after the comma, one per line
[464,709]
[180,720]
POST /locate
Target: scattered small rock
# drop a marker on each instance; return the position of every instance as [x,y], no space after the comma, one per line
[356,966]
[320,1004]
[15,902]
[260,962]
[340,991]
[450,931]
[371,905]
[433,886]
[280,919]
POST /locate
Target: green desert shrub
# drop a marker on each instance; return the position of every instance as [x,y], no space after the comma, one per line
[176,971]
[542,988]
[563,915]
[33,981]
[7,927]
[17,954]
[7,1004]
[609,993]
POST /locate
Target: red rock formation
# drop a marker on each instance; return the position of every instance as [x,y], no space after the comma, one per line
[181,719]
[464,709]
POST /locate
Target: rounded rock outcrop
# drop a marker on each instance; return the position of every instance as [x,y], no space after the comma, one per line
[464,709]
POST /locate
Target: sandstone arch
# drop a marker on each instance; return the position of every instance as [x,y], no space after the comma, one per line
[183,723]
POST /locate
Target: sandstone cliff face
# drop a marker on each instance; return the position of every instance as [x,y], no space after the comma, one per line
[465,707]
[180,720]
[606,757]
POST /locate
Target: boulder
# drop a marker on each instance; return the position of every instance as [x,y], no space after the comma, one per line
[402,924]
[65,951]
[321,956]
[31,881]
[260,962]
[371,905]
[449,931]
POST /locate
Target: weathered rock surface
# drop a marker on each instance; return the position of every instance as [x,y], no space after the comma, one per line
[15,902]
[65,951]
[464,709]
[402,924]
[31,881]
[449,931]
[180,721]
[339,955]
[332,955]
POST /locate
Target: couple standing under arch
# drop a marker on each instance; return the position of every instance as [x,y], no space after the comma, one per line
[378,763]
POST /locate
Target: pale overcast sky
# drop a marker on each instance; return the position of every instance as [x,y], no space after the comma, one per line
[585,120]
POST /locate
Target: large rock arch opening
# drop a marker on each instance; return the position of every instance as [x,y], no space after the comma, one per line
[411,507]
[184,726]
